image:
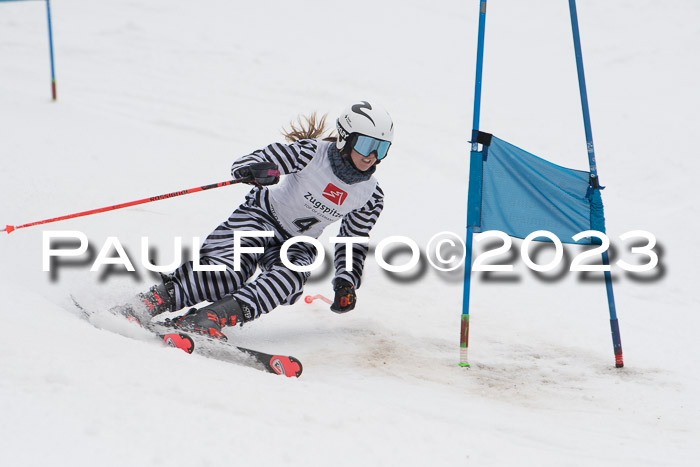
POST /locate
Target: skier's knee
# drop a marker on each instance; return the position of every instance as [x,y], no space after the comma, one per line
[292,299]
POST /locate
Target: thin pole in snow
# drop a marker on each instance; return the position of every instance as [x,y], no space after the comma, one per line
[53,72]
[614,325]
[474,196]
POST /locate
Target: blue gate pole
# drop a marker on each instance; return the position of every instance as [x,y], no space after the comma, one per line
[474,195]
[614,325]
[53,73]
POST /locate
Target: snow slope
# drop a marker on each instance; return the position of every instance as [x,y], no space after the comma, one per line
[159,96]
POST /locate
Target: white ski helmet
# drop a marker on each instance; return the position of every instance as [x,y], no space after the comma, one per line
[364,119]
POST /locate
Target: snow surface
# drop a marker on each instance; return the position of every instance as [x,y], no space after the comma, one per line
[158,96]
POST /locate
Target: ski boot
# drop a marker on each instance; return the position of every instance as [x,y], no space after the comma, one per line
[160,297]
[157,299]
[210,319]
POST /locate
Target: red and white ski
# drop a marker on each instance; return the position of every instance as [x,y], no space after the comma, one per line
[218,349]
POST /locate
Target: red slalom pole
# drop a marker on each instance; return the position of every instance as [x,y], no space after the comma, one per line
[10,228]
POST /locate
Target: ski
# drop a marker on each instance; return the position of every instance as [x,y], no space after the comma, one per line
[218,349]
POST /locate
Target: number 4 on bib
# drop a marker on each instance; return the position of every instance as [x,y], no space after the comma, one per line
[305,223]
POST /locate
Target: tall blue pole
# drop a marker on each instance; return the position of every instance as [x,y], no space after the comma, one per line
[614,325]
[474,195]
[53,73]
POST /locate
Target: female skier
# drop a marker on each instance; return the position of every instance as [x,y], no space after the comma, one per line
[325,180]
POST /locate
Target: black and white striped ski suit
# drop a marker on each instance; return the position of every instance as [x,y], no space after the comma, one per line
[304,160]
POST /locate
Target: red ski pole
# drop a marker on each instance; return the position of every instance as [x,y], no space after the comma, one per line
[10,228]
[310,299]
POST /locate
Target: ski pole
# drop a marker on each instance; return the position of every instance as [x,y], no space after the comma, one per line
[10,228]
[310,299]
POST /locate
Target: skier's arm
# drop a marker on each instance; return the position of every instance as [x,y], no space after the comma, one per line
[357,223]
[289,158]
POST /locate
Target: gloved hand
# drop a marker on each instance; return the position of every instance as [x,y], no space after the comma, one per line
[258,173]
[345,297]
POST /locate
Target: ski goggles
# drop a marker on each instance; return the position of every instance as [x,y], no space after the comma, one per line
[366,145]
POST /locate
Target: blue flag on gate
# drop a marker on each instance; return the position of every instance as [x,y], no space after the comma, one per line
[522,193]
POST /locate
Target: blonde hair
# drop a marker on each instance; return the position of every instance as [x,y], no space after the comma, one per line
[307,127]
